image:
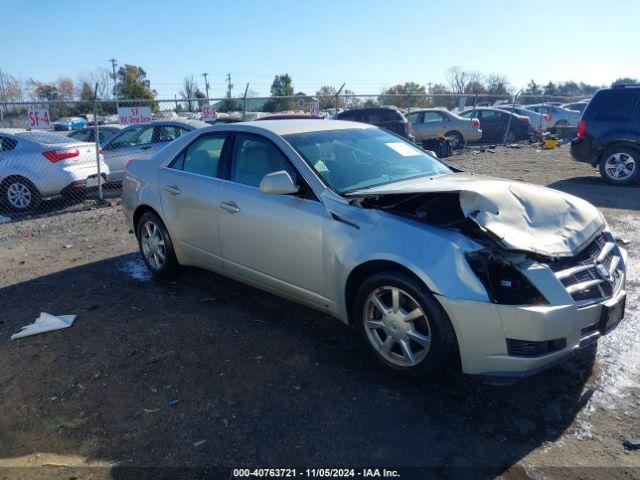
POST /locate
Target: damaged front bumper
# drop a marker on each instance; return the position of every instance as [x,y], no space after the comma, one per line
[513,341]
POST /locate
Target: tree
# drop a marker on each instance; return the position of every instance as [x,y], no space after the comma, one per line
[132,83]
[457,78]
[188,91]
[550,89]
[43,91]
[326,96]
[201,98]
[65,88]
[403,95]
[626,81]
[282,86]
[532,88]
[86,92]
[104,78]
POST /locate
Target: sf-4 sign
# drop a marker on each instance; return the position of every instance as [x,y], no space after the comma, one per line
[39,118]
[134,115]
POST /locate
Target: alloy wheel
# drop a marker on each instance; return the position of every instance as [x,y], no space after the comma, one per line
[153,245]
[620,166]
[19,195]
[397,326]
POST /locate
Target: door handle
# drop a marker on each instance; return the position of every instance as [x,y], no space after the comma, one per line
[146,147]
[230,206]
[173,189]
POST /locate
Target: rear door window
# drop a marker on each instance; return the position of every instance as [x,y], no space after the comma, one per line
[433,117]
[613,106]
[134,137]
[202,156]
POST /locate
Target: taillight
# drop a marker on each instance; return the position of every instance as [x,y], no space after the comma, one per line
[126,168]
[546,118]
[57,155]
[100,152]
[582,126]
[475,122]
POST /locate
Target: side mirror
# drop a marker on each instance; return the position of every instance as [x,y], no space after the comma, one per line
[278,183]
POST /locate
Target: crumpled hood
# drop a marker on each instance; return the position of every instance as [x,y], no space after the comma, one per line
[520,215]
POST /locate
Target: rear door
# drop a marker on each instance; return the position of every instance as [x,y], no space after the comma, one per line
[134,143]
[190,191]
[491,124]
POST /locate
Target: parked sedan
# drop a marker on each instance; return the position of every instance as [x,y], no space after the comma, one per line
[88,134]
[432,267]
[36,165]
[69,123]
[498,125]
[140,142]
[557,115]
[434,122]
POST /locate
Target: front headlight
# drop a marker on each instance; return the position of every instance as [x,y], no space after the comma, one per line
[504,284]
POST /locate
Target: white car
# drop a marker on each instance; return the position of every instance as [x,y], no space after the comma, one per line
[558,116]
[36,165]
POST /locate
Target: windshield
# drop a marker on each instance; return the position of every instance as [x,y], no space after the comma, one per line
[354,159]
[45,138]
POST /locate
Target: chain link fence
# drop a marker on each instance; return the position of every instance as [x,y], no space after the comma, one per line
[57,157]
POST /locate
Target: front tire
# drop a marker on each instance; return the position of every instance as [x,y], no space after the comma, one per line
[620,166]
[20,195]
[404,325]
[155,246]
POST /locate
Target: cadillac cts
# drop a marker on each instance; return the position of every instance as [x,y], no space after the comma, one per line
[433,266]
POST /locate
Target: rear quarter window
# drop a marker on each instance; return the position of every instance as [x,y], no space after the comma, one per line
[7,144]
[612,106]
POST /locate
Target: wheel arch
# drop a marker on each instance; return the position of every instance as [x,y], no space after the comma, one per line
[618,144]
[368,268]
[141,210]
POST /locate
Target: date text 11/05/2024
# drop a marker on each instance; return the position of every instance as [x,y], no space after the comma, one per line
[315,473]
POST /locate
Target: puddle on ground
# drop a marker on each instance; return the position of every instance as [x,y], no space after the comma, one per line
[136,269]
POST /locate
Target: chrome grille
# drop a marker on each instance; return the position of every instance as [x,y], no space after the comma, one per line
[594,274]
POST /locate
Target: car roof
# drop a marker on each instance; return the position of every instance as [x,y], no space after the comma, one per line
[170,122]
[285,127]
[11,131]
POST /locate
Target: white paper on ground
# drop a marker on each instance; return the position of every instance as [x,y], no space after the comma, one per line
[45,323]
[4,219]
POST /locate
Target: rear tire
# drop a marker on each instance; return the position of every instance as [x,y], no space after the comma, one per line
[155,246]
[414,322]
[620,165]
[456,139]
[20,195]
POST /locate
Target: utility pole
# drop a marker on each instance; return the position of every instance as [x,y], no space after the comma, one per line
[337,97]
[206,85]
[114,63]
[229,85]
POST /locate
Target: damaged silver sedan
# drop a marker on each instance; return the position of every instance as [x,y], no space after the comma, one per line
[434,267]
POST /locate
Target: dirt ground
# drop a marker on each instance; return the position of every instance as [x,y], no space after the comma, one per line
[204,371]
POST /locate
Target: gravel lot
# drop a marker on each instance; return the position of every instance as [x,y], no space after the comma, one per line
[205,371]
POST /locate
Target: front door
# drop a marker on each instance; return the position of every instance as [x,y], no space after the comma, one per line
[190,191]
[271,240]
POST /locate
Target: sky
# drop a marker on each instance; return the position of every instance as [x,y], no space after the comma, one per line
[369,45]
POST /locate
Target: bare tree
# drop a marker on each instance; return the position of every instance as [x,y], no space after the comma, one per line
[457,78]
[104,78]
[189,88]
